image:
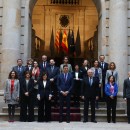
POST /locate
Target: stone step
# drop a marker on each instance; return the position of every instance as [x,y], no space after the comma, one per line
[104,105]
[104,110]
[54,110]
[99,117]
[73,110]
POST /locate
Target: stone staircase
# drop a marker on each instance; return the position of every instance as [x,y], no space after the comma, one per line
[101,113]
[76,113]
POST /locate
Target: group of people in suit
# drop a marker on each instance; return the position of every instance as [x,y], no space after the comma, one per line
[37,84]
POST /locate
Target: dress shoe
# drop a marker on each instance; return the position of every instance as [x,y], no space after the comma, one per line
[114,121]
[94,121]
[60,121]
[68,121]
[84,121]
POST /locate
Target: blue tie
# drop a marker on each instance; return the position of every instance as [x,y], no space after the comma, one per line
[96,73]
[65,77]
[90,81]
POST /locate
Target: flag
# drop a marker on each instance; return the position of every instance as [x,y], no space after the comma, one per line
[52,44]
[57,42]
[72,49]
[65,42]
[78,44]
[69,41]
[71,44]
[60,43]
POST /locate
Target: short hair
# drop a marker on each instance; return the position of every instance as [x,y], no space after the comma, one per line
[102,55]
[65,66]
[90,70]
[16,75]
[110,77]
[110,65]
[28,72]
[66,57]
[19,59]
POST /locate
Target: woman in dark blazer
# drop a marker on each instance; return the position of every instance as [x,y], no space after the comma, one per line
[44,98]
[27,98]
[111,90]
[77,76]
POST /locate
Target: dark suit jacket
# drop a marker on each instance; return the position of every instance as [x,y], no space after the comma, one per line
[90,91]
[65,85]
[77,83]
[84,71]
[30,87]
[44,91]
[27,68]
[53,74]
[80,75]
[20,73]
[42,69]
[104,70]
[126,88]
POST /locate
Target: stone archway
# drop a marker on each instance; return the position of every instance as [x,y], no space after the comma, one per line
[54,28]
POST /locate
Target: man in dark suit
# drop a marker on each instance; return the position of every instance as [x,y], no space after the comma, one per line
[44,64]
[53,72]
[20,69]
[104,66]
[126,95]
[65,84]
[29,65]
[89,92]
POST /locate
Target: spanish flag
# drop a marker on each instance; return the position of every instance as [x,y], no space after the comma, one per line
[65,42]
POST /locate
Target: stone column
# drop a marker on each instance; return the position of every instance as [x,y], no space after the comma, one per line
[118,38]
[11,26]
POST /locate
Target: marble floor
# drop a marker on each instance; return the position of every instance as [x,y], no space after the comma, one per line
[4,125]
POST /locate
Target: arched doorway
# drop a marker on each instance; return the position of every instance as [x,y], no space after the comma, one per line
[46,16]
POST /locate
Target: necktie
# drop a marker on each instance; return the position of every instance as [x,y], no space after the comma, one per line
[65,77]
[52,67]
[90,81]
[44,65]
[112,72]
[19,69]
[102,65]
[96,72]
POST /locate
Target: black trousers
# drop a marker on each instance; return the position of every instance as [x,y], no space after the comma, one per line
[76,92]
[11,110]
[111,105]
[54,92]
[44,110]
[128,109]
[27,106]
[62,99]
[86,107]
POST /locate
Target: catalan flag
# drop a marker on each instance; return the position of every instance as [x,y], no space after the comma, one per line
[57,42]
[65,42]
